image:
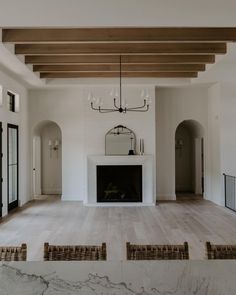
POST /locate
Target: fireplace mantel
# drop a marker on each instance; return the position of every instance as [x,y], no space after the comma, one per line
[146,161]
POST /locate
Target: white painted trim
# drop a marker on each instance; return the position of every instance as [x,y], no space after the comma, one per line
[66,198]
[134,204]
[166,197]
[52,192]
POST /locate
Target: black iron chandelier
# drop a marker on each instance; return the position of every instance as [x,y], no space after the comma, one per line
[119,105]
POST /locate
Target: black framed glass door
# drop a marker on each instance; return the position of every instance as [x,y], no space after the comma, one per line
[12,166]
[0,169]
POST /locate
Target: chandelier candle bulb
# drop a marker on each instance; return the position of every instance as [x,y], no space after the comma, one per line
[56,143]
[116,93]
[142,93]
[89,96]
[112,92]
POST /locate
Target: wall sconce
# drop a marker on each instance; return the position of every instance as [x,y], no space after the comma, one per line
[179,144]
[53,146]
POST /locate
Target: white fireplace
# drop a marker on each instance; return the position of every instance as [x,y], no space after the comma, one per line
[147,163]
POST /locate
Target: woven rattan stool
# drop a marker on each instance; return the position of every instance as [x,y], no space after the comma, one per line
[13,253]
[76,252]
[220,251]
[157,252]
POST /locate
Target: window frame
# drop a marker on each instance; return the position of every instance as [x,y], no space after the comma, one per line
[1,180]
[12,101]
[15,203]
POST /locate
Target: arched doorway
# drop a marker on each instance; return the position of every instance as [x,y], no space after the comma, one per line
[47,159]
[189,159]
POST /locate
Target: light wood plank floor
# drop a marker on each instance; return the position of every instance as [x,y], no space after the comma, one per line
[59,222]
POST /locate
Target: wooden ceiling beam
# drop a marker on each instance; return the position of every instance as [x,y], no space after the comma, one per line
[125,68]
[114,74]
[161,34]
[71,59]
[114,59]
[121,48]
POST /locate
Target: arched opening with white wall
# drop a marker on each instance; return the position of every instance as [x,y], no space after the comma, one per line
[47,159]
[189,159]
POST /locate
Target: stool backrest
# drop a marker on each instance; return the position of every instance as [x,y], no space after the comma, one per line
[157,252]
[76,252]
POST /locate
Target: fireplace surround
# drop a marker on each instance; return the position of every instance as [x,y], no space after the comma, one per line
[147,183]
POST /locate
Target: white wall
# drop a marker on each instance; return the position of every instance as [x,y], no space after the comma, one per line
[174,105]
[224,105]
[227,128]
[83,130]
[20,119]
[213,107]
[214,191]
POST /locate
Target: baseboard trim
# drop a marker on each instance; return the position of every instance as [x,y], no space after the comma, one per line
[166,197]
[70,198]
[51,192]
[119,204]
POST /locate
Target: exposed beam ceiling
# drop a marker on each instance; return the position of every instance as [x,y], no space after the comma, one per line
[95,52]
[119,34]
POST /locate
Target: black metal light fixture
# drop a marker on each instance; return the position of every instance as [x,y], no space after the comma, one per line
[120,129]
[119,104]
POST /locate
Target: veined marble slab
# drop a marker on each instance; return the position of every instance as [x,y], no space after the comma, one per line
[119,278]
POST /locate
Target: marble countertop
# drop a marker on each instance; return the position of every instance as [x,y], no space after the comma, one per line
[119,278]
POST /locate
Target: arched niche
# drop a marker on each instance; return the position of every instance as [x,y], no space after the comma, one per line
[47,158]
[189,158]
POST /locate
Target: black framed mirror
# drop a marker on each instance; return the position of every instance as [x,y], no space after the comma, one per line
[120,140]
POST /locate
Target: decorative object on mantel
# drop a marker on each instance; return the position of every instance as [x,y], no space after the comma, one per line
[131,151]
[120,104]
[141,146]
[120,140]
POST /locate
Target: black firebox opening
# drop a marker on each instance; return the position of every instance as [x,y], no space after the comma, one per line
[120,183]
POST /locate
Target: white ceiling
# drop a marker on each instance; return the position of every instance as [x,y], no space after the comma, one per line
[89,13]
